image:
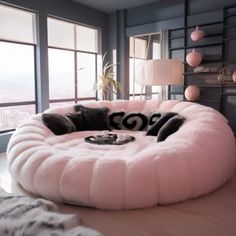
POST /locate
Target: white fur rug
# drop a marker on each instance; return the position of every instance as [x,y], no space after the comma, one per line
[21,215]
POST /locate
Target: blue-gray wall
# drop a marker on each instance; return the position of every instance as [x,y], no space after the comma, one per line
[170,14]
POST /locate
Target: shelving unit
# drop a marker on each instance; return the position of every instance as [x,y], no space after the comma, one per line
[217,50]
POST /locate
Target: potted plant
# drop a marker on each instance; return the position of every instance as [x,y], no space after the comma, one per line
[106,82]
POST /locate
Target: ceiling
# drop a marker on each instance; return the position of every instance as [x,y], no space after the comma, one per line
[113,5]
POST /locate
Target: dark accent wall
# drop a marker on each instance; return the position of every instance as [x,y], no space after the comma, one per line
[63,9]
[154,12]
[169,9]
[170,14]
[122,54]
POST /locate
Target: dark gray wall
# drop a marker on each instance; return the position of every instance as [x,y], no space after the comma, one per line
[66,10]
[168,14]
[169,9]
[154,12]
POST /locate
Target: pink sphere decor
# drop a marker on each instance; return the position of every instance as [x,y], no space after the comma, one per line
[234,76]
[194,58]
[192,93]
[197,34]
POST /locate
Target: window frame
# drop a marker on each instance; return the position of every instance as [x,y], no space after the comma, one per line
[22,103]
[144,93]
[75,51]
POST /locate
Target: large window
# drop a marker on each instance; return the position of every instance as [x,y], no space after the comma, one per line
[72,62]
[17,70]
[143,48]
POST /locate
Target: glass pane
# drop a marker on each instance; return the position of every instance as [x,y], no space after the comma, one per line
[138,48]
[60,34]
[17,25]
[157,92]
[137,97]
[134,87]
[86,65]
[61,104]
[156,50]
[61,74]
[87,39]
[131,47]
[11,117]
[17,76]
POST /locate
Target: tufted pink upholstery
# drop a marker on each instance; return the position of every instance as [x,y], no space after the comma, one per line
[195,160]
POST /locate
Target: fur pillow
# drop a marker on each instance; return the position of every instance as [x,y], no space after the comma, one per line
[163,118]
[58,124]
[134,121]
[79,107]
[77,119]
[170,127]
[94,118]
[115,119]
[154,118]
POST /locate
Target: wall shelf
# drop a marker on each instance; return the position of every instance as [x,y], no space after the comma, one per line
[202,73]
[217,53]
[212,35]
[207,61]
[229,15]
[216,85]
[229,26]
[206,24]
[228,94]
[197,46]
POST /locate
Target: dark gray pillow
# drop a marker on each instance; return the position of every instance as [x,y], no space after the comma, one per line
[134,121]
[170,127]
[79,107]
[154,118]
[58,124]
[115,119]
[163,118]
[77,119]
[94,118]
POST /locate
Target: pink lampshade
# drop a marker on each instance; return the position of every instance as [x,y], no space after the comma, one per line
[159,72]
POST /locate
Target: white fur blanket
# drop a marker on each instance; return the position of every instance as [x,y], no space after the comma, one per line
[21,215]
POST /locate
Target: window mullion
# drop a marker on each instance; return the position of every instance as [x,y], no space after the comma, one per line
[35,81]
[75,66]
[76,77]
[96,75]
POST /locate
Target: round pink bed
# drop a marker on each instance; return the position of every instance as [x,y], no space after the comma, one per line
[193,161]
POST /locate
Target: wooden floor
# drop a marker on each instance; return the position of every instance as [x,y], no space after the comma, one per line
[211,215]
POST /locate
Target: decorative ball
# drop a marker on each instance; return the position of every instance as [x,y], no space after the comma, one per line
[194,58]
[234,76]
[197,34]
[192,93]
